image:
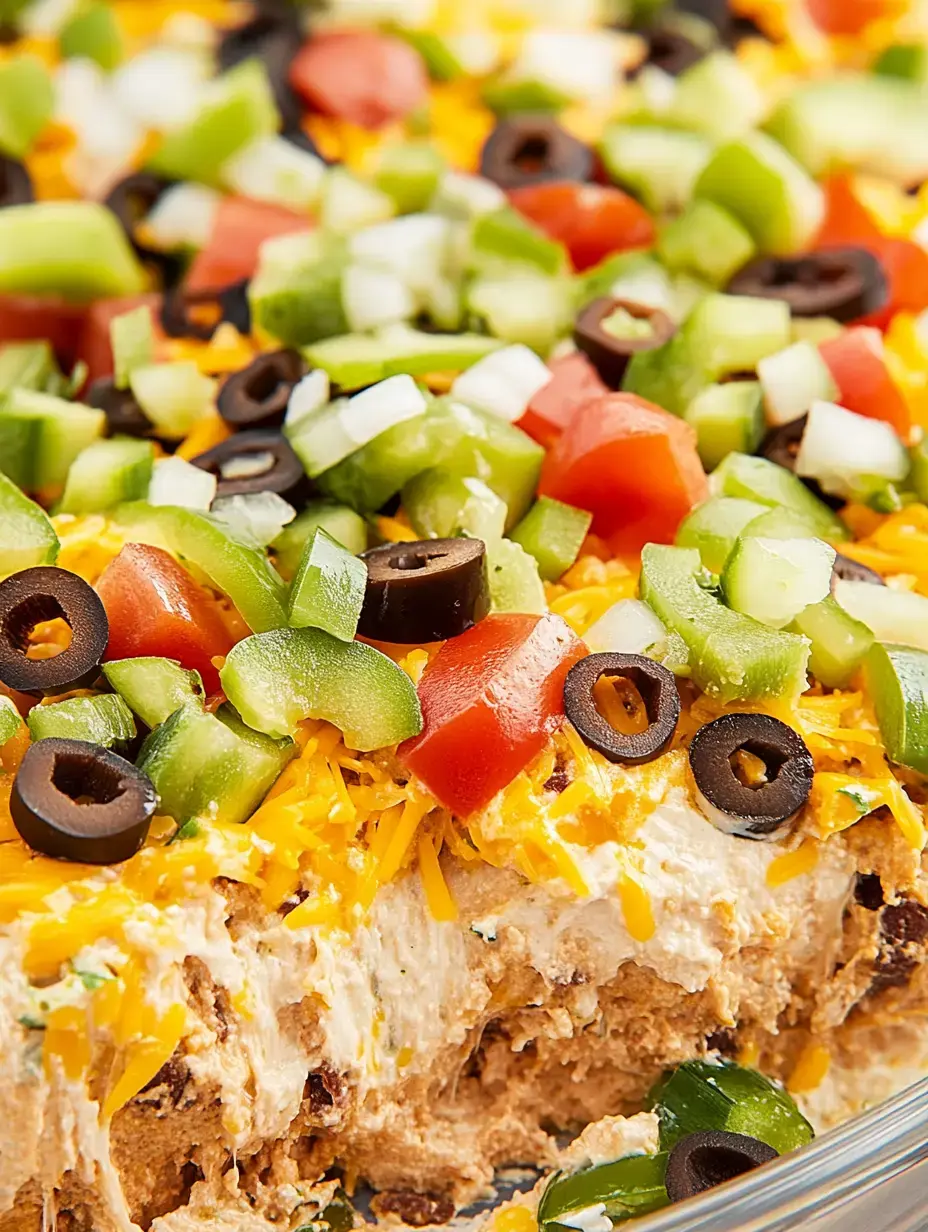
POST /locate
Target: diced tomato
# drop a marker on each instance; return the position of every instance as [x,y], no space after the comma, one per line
[592,221]
[490,699]
[632,465]
[95,349]
[241,227]
[367,78]
[574,381]
[156,608]
[857,361]
[851,16]
[847,220]
[27,317]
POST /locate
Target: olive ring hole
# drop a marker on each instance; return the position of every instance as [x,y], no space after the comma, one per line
[86,782]
[533,152]
[713,1166]
[23,619]
[625,706]
[628,705]
[413,560]
[755,765]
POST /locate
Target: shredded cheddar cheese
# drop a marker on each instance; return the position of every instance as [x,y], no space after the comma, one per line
[810,1070]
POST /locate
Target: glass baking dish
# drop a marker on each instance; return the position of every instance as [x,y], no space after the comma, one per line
[868,1175]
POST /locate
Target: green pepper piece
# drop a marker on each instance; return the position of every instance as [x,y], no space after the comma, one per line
[75,249]
[107,473]
[898,678]
[175,395]
[354,360]
[707,241]
[759,480]
[211,767]
[153,687]
[774,580]
[714,526]
[918,475]
[132,338]
[241,572]
[440,60]
[702,1095]
[27,537]
[105,720]
[718,97]
[40,436]
[328,590]
[508,97]
[515,584]
[277,679]
[553,533]
[524,307]
[237,109]
[670,376]
[504,238]
[10,720]
[728,334]
[343,524]
[410,174]
[349,203]
[441,506]
[27,365]
[727,418]
[659,165]
[906,60]
[732,657]
[633,1185]
[839,642]
[93,33]
[27,101]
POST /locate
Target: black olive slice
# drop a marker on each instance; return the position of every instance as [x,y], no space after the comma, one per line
[731,805]
[258,394]
[131,200]
[15,183]
[843,283]
[274,38]
[261,461]
[122,411]
[178,311]
[658,690]
[670,51]
[703,1160]
[77,801]
[781,445]
[29,598]
[424,591]
[532,149]
[847,570]
[610,331]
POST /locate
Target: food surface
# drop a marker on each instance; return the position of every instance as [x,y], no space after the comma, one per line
[463,603]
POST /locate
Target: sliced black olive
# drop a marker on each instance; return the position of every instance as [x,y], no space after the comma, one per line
[531,149]
[131,200]
[608,338]
[730,804]
[15,183]
[77,801]
[257,461]
[781,445]
[703,1160]
[122,411]
[658,690]
[716,12]
[259,393]
[670,51]
[33,596]
[274,38]
[179,311]
[424,591]
[847,570]
[843,283]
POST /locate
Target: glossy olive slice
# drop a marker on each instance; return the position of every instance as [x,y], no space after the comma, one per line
[532,149]
[258,394]
[703,1160]
[847,570]
[610,331]
[731,805]
[658,690]
[274,38]
[843,283]
[122,411]
[781,445]
[670,51]
[257,461]
[29,598]
[77,801]
[424,591]
[195,314]
[132,199]
[15,183]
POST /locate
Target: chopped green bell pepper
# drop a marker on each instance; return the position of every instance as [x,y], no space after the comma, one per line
[132,337]
[10,720]
[713,528]
[174,396]
[706,240]
[730,334]
[354,360]
[906,60]
[504,238]
[627,1187]
[727,418]
[409,174]
[898,679]
[514,580]
[659,165]
[731,656]
[524,307]
[839,642]
[75,249]
[553,533]
[27,101]
[759,480]
[211,767]
[154,688]
[92,32]
[717,96]
[774,580]
[40,436]
[104,720]
[107,473]
[441,505]
[918,475]
[349,203]
[277,679]
[343,524]
[28,365]
[27,537]
[328,590]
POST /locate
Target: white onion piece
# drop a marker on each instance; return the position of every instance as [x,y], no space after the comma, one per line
[648,284]
[843,450]
[182,217]
[413,247]
[792,379]
[107,139]
[176,482]
[578,63]
[44,18]
[467,196]
[375,297]
[891,615]
[161,88]
[275,170]
[628,627]
[380,407]
[254,518]
[503,383]
[308,396]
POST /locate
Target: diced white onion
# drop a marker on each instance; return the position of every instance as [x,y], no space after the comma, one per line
[380,407]
[467,196]
[176,482]
[161,88]
[183,217]
[583,65]
[107,138]
[628,627]
[375,297]
[503,383]
[477,51]
[308,396]
[891,615]
[255,518]
[44,18]
[413,247]
[792,379]
[589,1219]
[843,450]
[648,284]
[189,30]
[275,170]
